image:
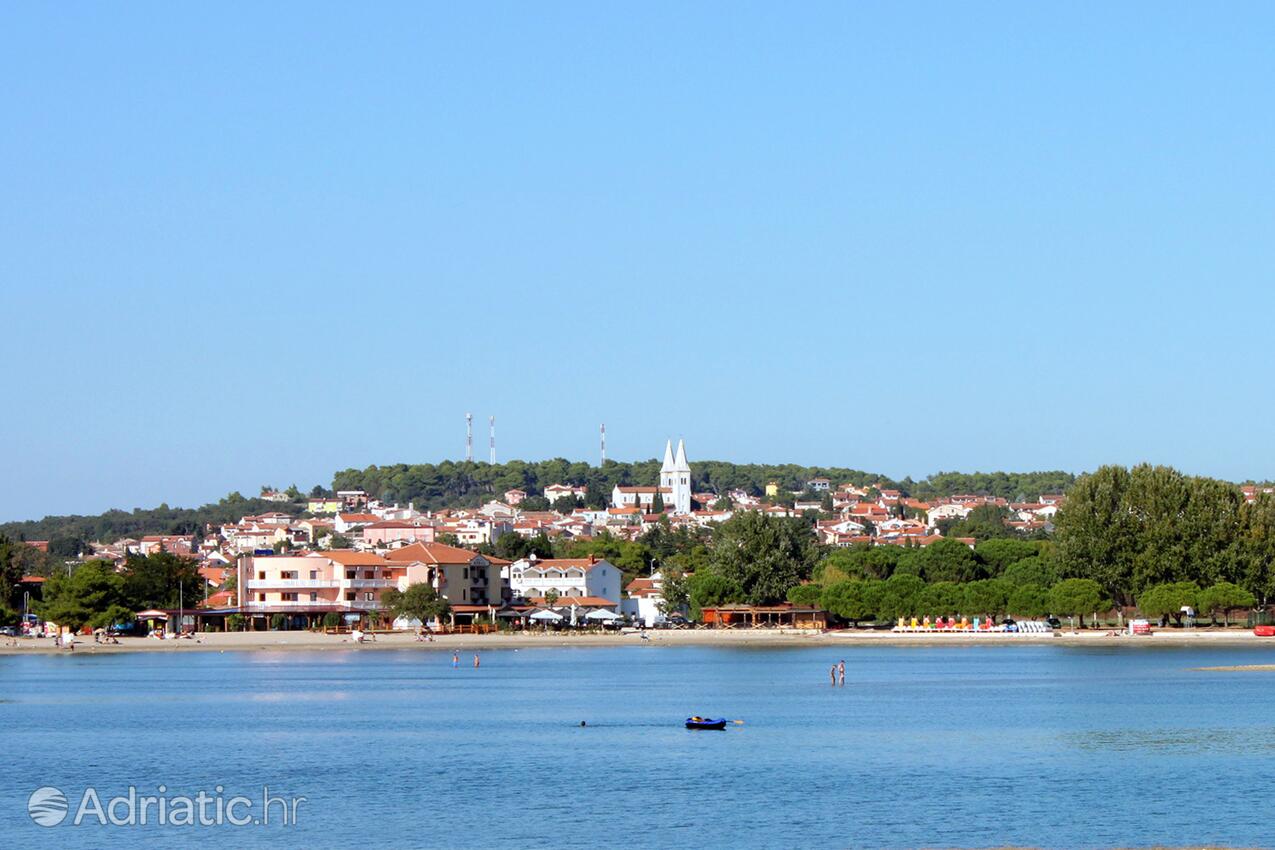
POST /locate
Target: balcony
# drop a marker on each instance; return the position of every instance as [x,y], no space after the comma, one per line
[333,604]
[368,582]
[290,583]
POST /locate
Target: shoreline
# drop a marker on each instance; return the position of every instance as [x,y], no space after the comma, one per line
[752,638]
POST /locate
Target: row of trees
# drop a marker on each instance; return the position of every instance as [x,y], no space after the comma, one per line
[759,559]
[1134,529]
[96,594]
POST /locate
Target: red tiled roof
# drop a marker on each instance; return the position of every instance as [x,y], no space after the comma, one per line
[352,558]
[433,553]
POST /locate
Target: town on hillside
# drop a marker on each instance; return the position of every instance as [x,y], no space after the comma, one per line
[344,558]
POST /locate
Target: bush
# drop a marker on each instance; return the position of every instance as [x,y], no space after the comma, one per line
[331,620]
[277,622]
[235,623]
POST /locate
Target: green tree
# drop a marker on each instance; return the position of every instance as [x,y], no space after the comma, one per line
[331,620]
[1224,597]
[764,555]
[942,598]
[161,580]
[66,546]
[511,547]
[805,594]
[551,597]
[900,596]
[565,505]
[1097,532]
[1255,553]
[852,600]
[950,561]
[657,504]
[1168,599]
[1028,600]
[708,589]
[1075,597]
[1036,570]
[987,597]
[982,523]
[675,589]
[92,595]
[998,553]
[419,602]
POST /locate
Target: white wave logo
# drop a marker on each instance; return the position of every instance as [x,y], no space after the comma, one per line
[47,806]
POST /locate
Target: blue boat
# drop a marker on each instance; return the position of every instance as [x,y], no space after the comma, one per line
[705,723]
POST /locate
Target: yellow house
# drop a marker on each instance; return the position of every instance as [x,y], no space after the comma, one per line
[325,505]
[772,489]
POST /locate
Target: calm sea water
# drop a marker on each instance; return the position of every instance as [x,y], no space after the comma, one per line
[959,747]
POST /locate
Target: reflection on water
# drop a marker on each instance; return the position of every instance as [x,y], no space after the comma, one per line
[937,746]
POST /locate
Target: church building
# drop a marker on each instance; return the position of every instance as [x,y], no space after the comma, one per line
[674,489]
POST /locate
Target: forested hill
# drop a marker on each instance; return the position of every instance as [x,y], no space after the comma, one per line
[450,484]
[67,534]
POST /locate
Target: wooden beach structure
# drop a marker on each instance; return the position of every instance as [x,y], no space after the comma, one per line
[782,615]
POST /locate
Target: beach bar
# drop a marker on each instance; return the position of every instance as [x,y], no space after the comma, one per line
[784,615]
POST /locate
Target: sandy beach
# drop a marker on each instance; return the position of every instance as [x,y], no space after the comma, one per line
[308,641]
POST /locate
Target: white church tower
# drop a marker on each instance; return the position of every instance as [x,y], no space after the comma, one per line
[675,477]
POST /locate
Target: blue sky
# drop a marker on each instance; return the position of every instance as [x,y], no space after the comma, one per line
[255,243]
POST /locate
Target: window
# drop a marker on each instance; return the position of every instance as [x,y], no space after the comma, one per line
[350,574]
[369,574]
[314,597]
[314,574]
[288,597]
[261,597]
[349,596]
[261,575]
[369,597]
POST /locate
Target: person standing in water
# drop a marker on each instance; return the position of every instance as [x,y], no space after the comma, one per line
[841,671]
[832,673]
[455,660]
[475,660]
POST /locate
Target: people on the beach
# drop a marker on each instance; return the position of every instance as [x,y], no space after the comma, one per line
[455,660]
[832,674]
[841,671]
[476,662]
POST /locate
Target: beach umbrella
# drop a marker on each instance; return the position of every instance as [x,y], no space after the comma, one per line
[602,614]
[546,616]
[573,615]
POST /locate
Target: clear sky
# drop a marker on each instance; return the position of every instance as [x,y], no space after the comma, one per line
[248,243]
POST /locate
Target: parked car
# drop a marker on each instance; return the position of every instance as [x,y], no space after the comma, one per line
[8,631]
[1054,622]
